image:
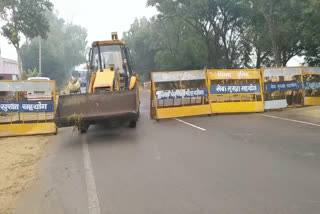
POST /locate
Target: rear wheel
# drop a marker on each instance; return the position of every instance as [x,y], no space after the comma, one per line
[133,124]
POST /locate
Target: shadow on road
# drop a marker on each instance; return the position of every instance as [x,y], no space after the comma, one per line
[111,134]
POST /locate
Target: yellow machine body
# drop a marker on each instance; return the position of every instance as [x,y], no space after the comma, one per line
[113,93]
[104,79]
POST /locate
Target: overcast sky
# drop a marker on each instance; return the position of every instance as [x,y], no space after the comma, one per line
[99,17]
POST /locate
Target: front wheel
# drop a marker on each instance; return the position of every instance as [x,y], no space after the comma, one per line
[83,129]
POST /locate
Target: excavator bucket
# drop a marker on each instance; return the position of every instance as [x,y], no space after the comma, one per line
[119,106]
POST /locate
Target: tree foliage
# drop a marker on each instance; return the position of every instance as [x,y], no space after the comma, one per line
[189,34]
[310,28]
[30,73]
[24,17]
[64,48]
[281,19]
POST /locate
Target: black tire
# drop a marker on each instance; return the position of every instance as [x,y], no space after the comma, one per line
[133,124]
[83,129]
[138,114]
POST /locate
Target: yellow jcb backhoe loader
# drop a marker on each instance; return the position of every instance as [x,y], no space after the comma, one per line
[113,90]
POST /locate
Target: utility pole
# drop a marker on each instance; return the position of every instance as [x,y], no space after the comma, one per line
[40,72]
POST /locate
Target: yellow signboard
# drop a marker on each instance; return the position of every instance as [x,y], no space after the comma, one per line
[234,74]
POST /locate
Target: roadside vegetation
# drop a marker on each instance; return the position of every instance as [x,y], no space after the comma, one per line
[64,48]
[190,34]
[63,44]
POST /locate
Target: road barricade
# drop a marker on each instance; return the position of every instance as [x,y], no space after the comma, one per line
[147,85]
[283,87]
[311,79]
[235,91]
[27,108]
[179,94]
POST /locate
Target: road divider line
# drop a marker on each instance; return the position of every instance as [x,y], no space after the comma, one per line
[189,124]
[296,121]
[93,200]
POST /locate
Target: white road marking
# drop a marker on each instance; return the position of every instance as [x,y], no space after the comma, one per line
[194,126]
[93,200]
[296,121]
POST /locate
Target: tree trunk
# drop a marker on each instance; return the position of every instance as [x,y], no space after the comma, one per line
[284,58]
[275,49]
[210,54]
[258,63]
[19,62]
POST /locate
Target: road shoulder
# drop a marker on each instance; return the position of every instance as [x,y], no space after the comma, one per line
[19,164]
[61,186]
[310,114]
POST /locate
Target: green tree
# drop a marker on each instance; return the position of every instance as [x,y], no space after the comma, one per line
[143,45]
[30,73]
[180,47]
[24,17]
[164,44]
[219,23]
[188,34]
[63,49]
[282,18]
[256,42]
[310,28]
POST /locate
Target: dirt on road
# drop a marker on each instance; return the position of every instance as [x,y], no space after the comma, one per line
[19,159]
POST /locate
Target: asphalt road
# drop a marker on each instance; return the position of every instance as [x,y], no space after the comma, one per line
[246,163]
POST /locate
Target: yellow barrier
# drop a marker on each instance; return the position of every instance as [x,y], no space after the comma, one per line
[27,108]
[10,130]
[232,91]
[179,94]
[312,101]
[283,87]
[311,79]
[235,91]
